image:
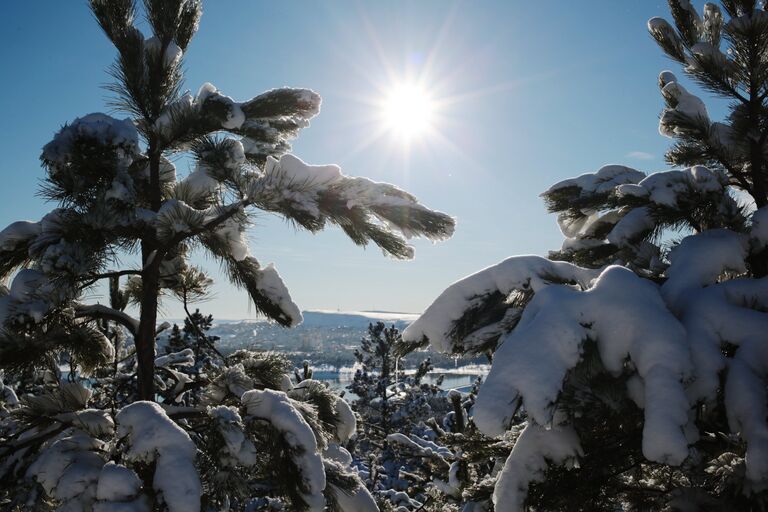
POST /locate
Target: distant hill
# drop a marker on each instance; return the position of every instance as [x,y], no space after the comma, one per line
[329,318]
[327,338]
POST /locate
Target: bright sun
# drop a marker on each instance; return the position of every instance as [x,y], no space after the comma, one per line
[407,111]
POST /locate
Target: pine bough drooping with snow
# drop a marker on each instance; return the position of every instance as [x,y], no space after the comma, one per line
[630,367]
[119,199]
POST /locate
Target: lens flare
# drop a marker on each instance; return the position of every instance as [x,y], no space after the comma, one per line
[407,111]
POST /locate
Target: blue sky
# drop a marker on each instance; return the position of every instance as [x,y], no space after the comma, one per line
[530,93]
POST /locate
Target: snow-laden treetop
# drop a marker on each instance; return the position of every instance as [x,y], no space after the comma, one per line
[118,194]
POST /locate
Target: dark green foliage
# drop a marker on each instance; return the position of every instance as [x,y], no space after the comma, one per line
[265,368]
[35,347]
[13,258]
[176,341]
[245,274]
[379,370]
[738,74]
[611,434]
[323,400]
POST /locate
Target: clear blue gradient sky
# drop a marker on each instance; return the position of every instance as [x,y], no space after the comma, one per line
[531,92]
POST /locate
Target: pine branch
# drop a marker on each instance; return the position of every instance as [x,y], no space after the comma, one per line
[210,225]
[92,279]
[99,311]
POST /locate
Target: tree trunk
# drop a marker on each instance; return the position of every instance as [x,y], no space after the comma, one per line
[145,339]
[384,403]
[151,257]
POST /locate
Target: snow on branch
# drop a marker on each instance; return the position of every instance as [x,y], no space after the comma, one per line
[275,407]
[421,446]
[533,360]
[105,312]
[238,448]
[68,469]
[673,188]
[89,156]
[367,211]
[153,437]
[266,122]
[534,450]
[264,285]
[613,215]
[454,314]
[726,251]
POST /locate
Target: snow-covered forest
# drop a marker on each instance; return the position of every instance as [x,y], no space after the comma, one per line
[628,368]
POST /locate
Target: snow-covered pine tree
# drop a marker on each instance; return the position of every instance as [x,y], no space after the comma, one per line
[376,373]
[630,367]
[252,439]
[176,341]
[393,447]
[196,327]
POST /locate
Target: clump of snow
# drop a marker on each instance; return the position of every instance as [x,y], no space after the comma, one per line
[18,233]
[231,232]
[306,103]
[666,188]
[276,408]
[293,169]
[94,421]
[184,104]
[232,379]
[601,182]
[680,103]
[153,437]
[117,483]
[338,453]
[346,426]
[25,283]
[234,117]
[184,357]
[704,51]
[30,297]
[658,23]
[172,54]
[730,311]
[345,422]
[104,129]
[631,226]
[688,272]
[746,401]
[452,487]
[400,500]
[119,490]
[69,468]
[665,77]
[8,396]
[235,154]
[239,449]
[177,217]
[421,446]
[199,183]
[359,500]
[271,285]
[534,450]
[121,189]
